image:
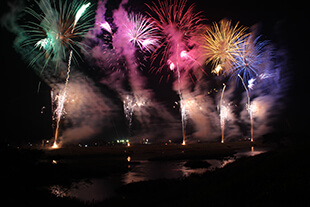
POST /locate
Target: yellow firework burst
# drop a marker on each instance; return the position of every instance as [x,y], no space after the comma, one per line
[222,43]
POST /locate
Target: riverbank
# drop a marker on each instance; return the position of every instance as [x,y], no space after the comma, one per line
[163,151]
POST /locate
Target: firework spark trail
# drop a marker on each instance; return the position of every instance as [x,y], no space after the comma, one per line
[61,101]
[249,108]
[128,105]
[183,113]
[132,104]
[223,113]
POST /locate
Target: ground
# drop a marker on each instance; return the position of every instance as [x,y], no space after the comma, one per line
[279,177]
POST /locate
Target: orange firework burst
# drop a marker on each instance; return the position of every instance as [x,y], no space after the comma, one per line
[223,42]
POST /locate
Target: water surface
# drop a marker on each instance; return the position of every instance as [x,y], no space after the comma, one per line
[98,189]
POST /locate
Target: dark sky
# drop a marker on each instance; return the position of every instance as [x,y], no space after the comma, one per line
[283,23]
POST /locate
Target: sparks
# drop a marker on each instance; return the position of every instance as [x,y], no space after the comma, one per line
[217,70]
[106,26]
[249,108]
[130,104]
[223,113]
[55,146]
[179,28]
[55,30]
[55,33]
[80,12]
[142,32]
[222,43]
[249,59]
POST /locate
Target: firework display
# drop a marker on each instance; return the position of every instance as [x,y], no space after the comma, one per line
[223,42]
[55,30]
[125,49]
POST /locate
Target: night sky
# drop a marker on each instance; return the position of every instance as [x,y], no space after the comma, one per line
[26,112]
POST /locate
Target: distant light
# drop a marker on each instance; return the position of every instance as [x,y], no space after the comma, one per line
[128,159]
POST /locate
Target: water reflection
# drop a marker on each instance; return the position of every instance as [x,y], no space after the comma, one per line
[91,190]
[148,170]
[98,189]
[252,152]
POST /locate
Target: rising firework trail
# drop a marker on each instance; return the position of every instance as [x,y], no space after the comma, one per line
[183,115]
[249,108]
[223,114]
[61,102]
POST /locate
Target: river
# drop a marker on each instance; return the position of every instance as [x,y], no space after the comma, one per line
[98,189]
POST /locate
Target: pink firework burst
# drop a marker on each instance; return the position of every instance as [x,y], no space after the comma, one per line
[180,27]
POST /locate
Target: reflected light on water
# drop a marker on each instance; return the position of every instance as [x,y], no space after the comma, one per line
[59,191]
[150,170]
[88,190]
[98,189]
